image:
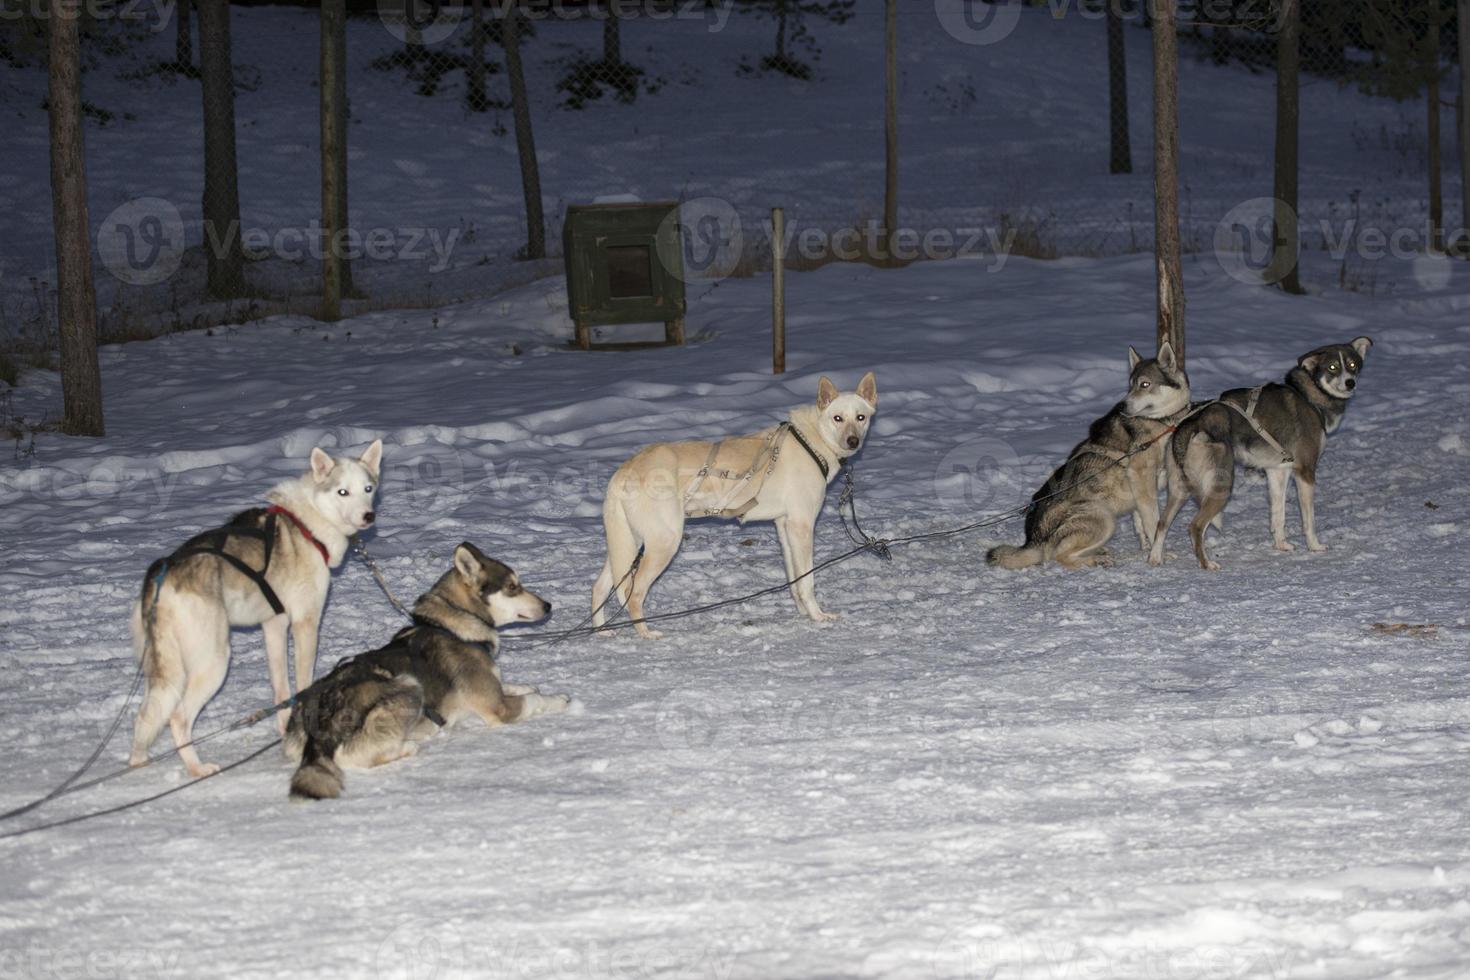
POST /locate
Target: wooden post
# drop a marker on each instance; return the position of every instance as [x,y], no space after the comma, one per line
[1464,127]
[76,297]
[1285,237]
[778,291]
[334,156]
[1167,251]
[890,185]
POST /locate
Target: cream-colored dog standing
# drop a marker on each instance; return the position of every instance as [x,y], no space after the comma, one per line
[779,474]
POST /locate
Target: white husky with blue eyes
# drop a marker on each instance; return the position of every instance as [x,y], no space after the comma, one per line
[268,567]
[779,474]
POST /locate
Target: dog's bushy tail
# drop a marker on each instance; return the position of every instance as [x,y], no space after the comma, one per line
[318,778]
[1010,556]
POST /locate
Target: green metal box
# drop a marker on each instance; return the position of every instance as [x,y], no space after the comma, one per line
[625,264]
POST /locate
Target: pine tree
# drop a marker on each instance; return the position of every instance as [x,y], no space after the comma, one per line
[792,31]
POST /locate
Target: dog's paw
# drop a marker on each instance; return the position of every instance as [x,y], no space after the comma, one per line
[1156,559]
[1317,546]
[1210,565]
[648,634]
[202,769]
[1284,545]
[518,689]
[824,617]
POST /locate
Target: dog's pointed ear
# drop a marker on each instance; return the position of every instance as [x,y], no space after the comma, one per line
[321,463]
[1167,360]
[1361,345]
[1133,358]
[826,392]
[867,389]
[467,561]
[1309,361]
[373,457]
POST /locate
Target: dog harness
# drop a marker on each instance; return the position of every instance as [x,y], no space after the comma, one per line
[258,524]
[770,453]
[1249,414]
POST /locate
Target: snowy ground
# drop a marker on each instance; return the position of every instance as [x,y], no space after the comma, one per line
[1118,773]
[1011,134]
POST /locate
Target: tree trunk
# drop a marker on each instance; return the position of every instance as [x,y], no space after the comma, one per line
[333,93]
[612,40]
[81,379]
[475,98]
[221,178]
[1285,238]
[1166,180]
[890,184]
[1120,157]
[781,31]
[525,141]
[1436,190]
[184,40]
[1464,35]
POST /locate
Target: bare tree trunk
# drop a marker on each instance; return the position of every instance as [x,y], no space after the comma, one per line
[475,98]
[76,294]
[184,40]
[612,41]
[890,184]
[336,270]
[221,177]
[1436,188]
[1166,180]
[1120,156]
[1285,239]
[1464,125]
[781,30]
[525,141]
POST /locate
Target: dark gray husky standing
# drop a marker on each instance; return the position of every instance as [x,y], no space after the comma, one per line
[1280,428]
[1113,472]
[371,707]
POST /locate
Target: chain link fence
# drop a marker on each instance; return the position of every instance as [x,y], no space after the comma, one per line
[458,133]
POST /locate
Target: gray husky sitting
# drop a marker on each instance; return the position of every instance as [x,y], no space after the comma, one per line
[369,710]
[1113,472]
[1280,428]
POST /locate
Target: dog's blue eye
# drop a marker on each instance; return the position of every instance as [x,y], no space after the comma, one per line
[837,418]
[342,492]
[368,488]
[1143,384]
[862,418]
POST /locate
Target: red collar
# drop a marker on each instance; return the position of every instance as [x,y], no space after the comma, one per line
[278,509]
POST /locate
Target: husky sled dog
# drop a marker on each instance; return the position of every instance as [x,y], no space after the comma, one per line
[371,707]
[779,474]
[268,567]
[1113,472]
[1280,428]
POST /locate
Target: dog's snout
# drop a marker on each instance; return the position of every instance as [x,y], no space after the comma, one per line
[1350,383]
[853,442]
[545,608]
[369,517]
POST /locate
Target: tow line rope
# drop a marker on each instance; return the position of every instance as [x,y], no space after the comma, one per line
[881,547]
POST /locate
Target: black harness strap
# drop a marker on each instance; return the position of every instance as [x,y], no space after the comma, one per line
[816,457]
[213,543]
